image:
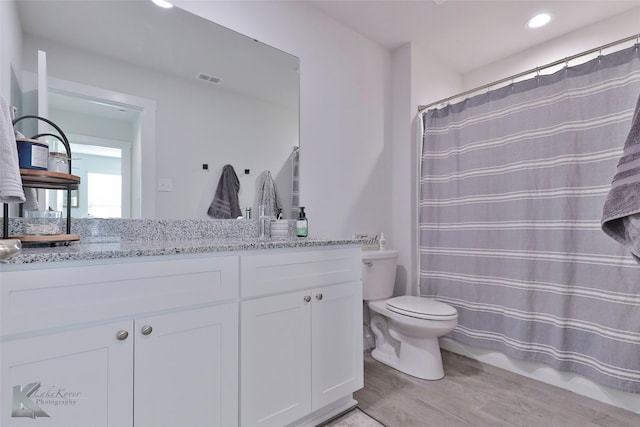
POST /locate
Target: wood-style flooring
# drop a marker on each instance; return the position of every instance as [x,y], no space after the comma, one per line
[478,395]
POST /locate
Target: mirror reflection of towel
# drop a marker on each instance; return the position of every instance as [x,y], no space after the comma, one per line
[225,204]
[267,195]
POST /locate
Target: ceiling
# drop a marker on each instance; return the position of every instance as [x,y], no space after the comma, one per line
[467,34]
[462,34]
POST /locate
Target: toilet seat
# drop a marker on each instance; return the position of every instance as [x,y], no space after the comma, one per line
[421,308]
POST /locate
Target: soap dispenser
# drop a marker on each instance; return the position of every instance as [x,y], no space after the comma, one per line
[302,225]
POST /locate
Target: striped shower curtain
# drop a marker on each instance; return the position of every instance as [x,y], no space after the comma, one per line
[513,183]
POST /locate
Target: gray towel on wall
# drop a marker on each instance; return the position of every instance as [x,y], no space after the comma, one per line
[225,204]
[621,212]
[268,195]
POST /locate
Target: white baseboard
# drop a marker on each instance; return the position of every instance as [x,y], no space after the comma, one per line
[546,374]
[324,414]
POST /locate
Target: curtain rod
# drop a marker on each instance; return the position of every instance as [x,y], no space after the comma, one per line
[533,70]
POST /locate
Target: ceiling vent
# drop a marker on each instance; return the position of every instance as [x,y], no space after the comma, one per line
[208,78]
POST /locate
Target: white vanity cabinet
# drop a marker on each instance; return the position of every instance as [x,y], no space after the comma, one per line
[185,368]
[80,377]
[252,338]
[301,335]
[147,343]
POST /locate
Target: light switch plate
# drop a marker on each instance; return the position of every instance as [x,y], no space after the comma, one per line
[165,184]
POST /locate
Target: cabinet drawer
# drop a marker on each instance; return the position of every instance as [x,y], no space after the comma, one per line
[54,297]
[269,273]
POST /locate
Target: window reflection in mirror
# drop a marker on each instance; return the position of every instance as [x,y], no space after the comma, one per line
[104,195]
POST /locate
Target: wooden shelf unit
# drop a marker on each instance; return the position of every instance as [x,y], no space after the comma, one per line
[33,178]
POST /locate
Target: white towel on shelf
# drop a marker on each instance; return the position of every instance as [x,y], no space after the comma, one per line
[10,181]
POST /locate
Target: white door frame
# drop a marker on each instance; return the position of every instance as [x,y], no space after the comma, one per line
[147,146]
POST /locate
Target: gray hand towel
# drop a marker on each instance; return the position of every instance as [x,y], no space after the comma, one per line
[267,195]
[225,204]
[621,212]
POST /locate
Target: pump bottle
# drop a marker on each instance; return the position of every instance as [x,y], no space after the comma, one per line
[302,225]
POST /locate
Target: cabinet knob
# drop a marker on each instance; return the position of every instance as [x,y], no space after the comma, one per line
[318,297]
[146,330]
[307,298]
[122,335]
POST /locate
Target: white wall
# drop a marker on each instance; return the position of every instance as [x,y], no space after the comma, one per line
[4,73]
[582,40]
[10,45]
[346,168]
[418,77]
[403,182]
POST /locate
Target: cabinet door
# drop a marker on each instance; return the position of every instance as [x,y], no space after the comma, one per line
[337,346]
[275,369]
[74,378]
[186,368]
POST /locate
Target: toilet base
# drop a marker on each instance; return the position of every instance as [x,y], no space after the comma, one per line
[417,362]
[418,357]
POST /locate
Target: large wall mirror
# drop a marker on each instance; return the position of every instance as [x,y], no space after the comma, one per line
[155,102]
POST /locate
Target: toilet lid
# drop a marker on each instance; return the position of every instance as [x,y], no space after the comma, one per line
[422,308]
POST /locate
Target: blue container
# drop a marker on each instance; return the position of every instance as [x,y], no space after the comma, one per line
[33,154]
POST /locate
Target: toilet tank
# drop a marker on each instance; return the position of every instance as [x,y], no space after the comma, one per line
[378,273]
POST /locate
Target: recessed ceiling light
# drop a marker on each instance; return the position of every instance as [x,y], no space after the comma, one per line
[162,3]
[539,20]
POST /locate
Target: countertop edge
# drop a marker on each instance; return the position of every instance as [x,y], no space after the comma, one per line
[140,248]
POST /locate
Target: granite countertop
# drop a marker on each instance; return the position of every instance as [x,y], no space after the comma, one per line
[79,251]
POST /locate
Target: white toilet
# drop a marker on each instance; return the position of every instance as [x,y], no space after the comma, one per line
[406,328]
